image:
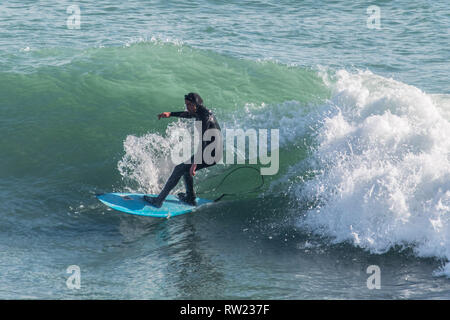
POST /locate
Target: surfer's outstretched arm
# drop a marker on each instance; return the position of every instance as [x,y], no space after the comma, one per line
[179,114]
[164,115]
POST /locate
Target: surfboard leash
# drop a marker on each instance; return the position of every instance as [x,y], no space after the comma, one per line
[259,187]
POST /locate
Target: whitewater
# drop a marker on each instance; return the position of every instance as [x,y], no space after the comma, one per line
[364,149]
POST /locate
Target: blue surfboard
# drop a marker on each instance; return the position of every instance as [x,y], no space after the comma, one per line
[134,203]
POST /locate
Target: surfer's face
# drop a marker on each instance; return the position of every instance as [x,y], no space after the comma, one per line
[190,106]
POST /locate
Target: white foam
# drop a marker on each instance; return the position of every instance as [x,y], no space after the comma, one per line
[380,162]
[291,118]
[154,39]
[382,169]
[147,162]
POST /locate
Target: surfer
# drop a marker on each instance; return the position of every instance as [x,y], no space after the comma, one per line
[195,109]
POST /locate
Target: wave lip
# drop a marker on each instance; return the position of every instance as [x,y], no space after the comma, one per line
[381,168]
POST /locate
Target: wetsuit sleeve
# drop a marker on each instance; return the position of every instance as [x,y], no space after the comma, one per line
[181,114]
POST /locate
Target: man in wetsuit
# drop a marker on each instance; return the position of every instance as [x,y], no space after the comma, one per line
[195,109]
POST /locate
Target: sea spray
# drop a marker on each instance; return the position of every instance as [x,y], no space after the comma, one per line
[381,170]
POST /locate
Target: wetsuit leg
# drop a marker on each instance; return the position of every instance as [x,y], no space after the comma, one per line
[189,184]
[189,180]
[181,170]
[177,172]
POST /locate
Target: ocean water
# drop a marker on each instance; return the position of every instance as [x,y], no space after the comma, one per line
[364,120]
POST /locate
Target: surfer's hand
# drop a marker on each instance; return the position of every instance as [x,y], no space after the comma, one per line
[192,170]
[164,115]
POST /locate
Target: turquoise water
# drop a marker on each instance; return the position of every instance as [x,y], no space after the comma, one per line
[364,174]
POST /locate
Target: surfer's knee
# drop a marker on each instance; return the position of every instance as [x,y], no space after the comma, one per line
[181,169]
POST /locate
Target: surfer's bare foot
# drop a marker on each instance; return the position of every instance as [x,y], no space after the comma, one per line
[153,201]
[189,200]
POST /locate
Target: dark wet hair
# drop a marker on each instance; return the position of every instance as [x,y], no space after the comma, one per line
[195,98]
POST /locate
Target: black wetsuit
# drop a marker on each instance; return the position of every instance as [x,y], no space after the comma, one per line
[208,122]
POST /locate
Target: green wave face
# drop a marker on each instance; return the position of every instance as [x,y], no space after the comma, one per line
[71,115]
